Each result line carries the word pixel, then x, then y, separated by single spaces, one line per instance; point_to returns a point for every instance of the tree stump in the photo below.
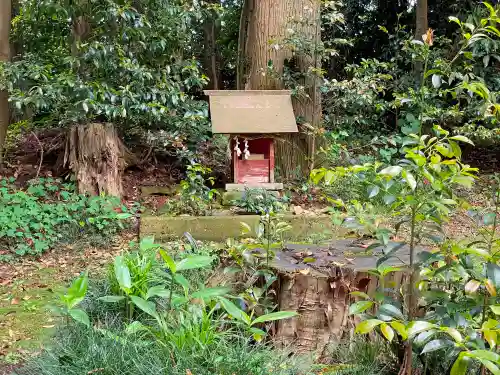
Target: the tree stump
pixel 95 153
pixel 319 291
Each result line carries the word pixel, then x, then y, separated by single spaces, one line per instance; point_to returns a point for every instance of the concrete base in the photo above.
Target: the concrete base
pixel 220 228
pixel 263 185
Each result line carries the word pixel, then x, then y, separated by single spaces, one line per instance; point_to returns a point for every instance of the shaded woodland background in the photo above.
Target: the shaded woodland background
pixel 140 67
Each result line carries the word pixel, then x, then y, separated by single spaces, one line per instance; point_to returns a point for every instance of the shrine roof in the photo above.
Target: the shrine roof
pixel 251 111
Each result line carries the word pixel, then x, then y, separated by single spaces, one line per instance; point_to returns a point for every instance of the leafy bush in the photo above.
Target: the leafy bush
pixel 37 217
pixel 195 197
pixel 260 201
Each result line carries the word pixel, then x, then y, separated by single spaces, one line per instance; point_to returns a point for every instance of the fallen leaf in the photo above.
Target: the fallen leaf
pixel 305 272
pixel 51 326
pixel 14 301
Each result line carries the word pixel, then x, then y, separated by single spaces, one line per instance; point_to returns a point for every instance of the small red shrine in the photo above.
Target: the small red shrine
pixel 252 119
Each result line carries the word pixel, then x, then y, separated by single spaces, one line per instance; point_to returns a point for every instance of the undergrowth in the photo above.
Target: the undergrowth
pixel 48 211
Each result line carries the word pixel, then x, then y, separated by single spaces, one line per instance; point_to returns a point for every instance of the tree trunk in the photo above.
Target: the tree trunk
pixel 95 154
pixel 269 23
pixel 211 55
pixel 5 18
pixel 322 301
pixel 421 24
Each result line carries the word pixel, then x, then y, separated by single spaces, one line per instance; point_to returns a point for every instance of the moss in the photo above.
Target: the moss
pixel 219 228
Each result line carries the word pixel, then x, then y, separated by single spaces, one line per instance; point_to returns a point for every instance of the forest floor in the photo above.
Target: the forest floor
pixel 29 287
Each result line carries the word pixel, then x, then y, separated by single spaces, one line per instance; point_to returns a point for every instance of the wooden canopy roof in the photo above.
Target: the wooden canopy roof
pixel 251 111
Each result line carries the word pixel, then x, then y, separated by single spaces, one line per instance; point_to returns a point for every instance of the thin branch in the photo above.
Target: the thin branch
pixel 41 154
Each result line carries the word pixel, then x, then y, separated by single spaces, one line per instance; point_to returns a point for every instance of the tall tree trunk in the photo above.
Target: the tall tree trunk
pixel 421 26
pixel 269 21
pixel 211 55
pixel 5 18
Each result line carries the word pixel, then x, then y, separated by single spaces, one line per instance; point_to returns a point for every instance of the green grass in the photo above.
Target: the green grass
pixel 78 351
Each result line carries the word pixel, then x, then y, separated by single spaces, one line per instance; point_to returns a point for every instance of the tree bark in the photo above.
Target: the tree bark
pixel 94 153
pixel 322 301
pixel 211 55
pixel 269 21
pixel 5 19
pixel 421 24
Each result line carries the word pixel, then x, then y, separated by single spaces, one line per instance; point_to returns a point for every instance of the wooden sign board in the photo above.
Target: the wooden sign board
pixel 251 111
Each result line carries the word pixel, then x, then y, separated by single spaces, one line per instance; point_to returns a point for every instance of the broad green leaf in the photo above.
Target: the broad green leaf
pixel 122 273
pixel 360 294
pixel 168 261
pixel 493 272
pixel 484 354
pixel 373 190
pixel 367 326
pixel 235 311
pixel 493 368
pixel 77 291
pixel 193 262
pixel 434 345
pixel 461 365
pixel 410 180
pixel 329 177
pixel 453 332
pixel 157 291
pixel 462 138
pixel 80 316
pixel 148 243
pixel 387 331
pixel 491 338
pixel 400 329
pixel 391 310
pixel 146 306
pixel 245 228
pixel 279 315
pixel 389 199
pixel 111 299
pixel 359 307
pixel 182 281
pixel 392 171
pixel 466 181
pixel 495 309
pixel 257 333
pixel 455 19
pixel 210 293
pixel 419 326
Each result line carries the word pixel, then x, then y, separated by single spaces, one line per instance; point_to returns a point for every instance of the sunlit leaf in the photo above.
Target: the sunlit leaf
pixel 80 316
pixel 419 326
pixel 367 326
pixel 122 273
pixel 387 331
pixel 193 262
pixel 392 171
pixel 359 307
pixel 279 315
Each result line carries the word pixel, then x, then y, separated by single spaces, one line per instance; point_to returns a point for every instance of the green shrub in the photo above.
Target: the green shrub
pixel 260 201
pixel 35 218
